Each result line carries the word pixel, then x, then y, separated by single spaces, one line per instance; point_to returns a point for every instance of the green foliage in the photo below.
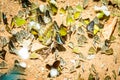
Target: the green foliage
pixel 19 21
pixel 69 20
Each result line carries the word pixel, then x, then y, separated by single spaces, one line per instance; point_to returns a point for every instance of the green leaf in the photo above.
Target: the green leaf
pixel 12 23
pixel 34 55
pixel 63 30
pixel 34 32
pixel 86 21
pixel 62 11
pixel 19 21
pixel 69 20
pixel 76 50
pixel 96 29
pixel 47 38
pixel 53 8
pixel 79 8
pixel 76 15
pixel 100 15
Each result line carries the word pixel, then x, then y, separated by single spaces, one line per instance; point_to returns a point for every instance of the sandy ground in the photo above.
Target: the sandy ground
pixel 36 70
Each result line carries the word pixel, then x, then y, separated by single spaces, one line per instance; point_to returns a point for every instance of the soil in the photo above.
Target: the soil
pixel 36 70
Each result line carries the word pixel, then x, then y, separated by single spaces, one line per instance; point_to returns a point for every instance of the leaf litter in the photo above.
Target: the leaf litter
pixel 85 37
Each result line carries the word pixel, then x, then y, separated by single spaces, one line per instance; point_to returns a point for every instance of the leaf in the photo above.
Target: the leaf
pixel 69 20
pixel 3 65
pixel 2 54
pixel 96 20
pixel 11 46
pixel 114 75
pixel 91 77
pixel 3 41
pixel 93 68
pixel 69 9
pixel 109 51
pixel 112 38
pixel 96 29
pixel 19 21
pixel 79 77
pixel 47 18
pixel 40 20
pixel 109 28
pixel 80 30
pixel 107 78
pixel 100 15
pixel 48 38
pixel 86 21
pixel 34 55
pixel 79 8
pixel 81 40
pixel 105 2
pixel 54 2
pixel 85 3
pixel 90 26
pixel 12 23
pixel 62 11
pixel 56 26
pixel 119 30
pixel 53 8
pixel 26 3
pixel 76 50
pixel 63 30
pixel 4 19
pixel 59 39
pixel 76 15
pixel 34 32
pixel 91 51
pixel 71 45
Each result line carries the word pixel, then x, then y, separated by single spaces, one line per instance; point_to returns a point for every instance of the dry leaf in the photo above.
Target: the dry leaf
pixel 37 46
pixel 109 28
pixel 76 50
pixel 91 51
